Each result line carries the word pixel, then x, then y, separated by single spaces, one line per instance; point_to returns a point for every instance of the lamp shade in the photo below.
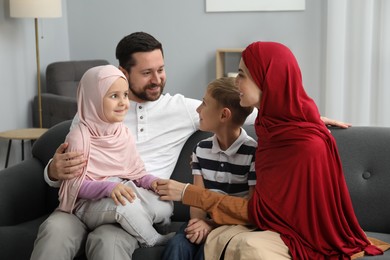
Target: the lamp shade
pixel 35 8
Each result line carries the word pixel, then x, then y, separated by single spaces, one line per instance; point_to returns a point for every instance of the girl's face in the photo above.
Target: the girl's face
pixel 250 93
pixel 209 113
pixel 116 101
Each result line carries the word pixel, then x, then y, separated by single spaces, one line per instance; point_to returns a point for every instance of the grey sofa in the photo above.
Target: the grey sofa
pixel 26 200
pixel 59 98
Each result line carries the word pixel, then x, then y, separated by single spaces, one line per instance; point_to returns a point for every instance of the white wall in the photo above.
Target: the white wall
pixel 190 36
pixel 18 69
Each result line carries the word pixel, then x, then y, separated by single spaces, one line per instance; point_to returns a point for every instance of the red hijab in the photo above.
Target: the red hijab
pixel 301 191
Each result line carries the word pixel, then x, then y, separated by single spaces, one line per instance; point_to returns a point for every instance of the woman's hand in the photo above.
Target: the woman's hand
pixel 170 190
pixel 332 122
pixel 197 230
pixel 122 192
pixel 65 165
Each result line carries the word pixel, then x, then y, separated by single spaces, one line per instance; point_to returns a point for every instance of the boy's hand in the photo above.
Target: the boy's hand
pixel 197 230
pixel 122 192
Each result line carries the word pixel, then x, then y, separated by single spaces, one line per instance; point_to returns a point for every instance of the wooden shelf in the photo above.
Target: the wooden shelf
pixel 220 60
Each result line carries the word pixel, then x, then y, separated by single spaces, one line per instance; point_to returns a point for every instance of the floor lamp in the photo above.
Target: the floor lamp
pixel 36 9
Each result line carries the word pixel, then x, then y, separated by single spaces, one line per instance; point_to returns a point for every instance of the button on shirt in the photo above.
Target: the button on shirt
pixel 161 129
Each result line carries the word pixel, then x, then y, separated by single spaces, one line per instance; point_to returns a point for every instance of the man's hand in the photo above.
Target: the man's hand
pixel 122 192
pixel 197 230
pixel 332 122
pixel 170 189
pixel 65 165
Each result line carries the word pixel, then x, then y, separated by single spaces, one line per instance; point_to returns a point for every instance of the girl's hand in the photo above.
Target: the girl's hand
pixel 153 186
pixel 122 192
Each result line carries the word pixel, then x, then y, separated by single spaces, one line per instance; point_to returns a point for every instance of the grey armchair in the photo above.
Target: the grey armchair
pixel 59 99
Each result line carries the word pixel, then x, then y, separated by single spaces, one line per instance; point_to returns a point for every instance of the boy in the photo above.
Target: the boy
pixel 223 163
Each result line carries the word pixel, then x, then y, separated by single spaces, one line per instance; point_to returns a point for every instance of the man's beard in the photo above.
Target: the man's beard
pixel 143 94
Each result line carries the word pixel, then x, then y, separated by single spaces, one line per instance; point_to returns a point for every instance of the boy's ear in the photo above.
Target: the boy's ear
pixel 226 114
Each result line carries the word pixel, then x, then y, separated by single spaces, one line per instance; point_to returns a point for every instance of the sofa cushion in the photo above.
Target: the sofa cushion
pixel 17 242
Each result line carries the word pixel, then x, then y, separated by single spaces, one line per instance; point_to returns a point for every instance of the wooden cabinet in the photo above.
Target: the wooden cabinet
pixel 220 60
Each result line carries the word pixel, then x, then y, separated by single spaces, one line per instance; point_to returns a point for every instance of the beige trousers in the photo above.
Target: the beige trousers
pixel 244 244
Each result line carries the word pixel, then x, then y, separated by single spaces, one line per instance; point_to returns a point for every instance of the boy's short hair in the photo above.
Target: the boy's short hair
pixel 225 92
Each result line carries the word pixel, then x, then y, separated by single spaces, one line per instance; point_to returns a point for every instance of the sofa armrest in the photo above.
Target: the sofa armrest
pixel 22 192
pixel 55 109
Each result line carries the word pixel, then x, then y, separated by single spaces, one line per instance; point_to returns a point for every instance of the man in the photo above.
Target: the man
pixel 160 123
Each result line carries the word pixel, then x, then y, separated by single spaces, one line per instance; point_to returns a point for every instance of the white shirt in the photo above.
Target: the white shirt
pixel 160 129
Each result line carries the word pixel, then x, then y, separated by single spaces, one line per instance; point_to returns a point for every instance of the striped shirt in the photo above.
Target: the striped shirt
pixel 229 172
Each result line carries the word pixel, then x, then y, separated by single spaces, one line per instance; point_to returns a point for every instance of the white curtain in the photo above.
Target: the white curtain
pixel 357 62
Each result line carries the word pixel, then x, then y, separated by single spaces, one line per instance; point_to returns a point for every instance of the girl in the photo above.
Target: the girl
pixel 114 172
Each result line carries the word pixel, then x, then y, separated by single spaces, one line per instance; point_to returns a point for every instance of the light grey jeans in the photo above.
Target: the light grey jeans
pixel 62 236
pixel 137 217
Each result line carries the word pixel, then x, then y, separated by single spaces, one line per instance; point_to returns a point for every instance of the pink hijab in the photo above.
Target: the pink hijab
pixel 109 147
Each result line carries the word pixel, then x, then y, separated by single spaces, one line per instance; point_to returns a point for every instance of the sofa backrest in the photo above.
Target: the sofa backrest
pixel 62 78
pixel 365 156
pixel 183 172
pixel 44 149
pixel 364 152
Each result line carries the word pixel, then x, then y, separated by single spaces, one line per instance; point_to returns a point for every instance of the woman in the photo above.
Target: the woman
pixel 301 201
